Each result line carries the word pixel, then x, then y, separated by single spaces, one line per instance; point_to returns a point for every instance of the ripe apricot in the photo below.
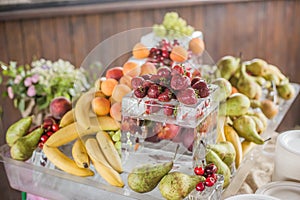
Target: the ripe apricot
pixel 101 106
pixel 108 85
pixel 116 111
pixel 131 69
pixel 126 80
pixel 119 92
pixel 148 68
pixel 179 54
pixel 115 73
pixel 196 45
pixel 140 51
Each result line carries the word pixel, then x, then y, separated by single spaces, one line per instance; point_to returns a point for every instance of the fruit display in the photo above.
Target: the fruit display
pixel 123 131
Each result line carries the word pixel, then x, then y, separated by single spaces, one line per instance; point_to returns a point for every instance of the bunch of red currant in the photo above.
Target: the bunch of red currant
pixel 209 172
pixel 50 126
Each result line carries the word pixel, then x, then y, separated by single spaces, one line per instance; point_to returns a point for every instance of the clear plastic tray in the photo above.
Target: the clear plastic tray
pixel 55 184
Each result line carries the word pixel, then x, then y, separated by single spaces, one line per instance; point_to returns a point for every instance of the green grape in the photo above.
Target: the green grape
pixel 173 26
pixel 116 137
pixel 159 30
pixel 118 145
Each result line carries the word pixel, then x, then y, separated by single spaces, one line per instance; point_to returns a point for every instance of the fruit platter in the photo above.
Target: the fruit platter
pixel 168 124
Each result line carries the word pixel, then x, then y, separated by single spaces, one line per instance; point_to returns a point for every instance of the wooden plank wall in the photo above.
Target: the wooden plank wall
pixel 267 29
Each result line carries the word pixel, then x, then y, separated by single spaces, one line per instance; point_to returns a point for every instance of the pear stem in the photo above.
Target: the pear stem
pixel 267 139
pixel 177 147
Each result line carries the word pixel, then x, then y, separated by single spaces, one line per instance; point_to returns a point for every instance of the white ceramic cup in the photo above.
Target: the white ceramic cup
pixel 287 157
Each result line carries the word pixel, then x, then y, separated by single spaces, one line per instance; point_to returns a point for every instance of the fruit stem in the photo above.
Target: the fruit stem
pixel 177 147
pixel 267 139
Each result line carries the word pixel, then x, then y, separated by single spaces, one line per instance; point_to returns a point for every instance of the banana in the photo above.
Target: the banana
pixel 247 146
pixel 67 119
pixel 108 149
pixel 63 162
pixel 106 123
pixel 82 109
pixel 232 136
pixel 220 129
pixel 101 165
pixel 68 134
pixel 80 155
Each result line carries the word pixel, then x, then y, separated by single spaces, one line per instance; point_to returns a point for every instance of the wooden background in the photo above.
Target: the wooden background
pixel 267 29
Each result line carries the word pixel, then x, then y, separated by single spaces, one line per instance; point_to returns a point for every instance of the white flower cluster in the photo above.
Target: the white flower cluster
pixel 49 70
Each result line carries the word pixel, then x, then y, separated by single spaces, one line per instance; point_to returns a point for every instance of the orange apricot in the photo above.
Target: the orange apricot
pixel 131 69
pixel 108 85
pixel 179 54
pixel 116 111
pixel 196 45
pixel 119 92
pixel 126 80
pixel 140 51
pixel 101 106
pixel 148 68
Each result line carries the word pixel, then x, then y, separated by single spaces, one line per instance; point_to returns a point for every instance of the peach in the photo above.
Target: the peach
pixel 148 68
pixel 131 69
pixel 140 51
pixel 119 92
pixel 179 54
pixel 116 111
pixel 98 82
pixel 115 73
pixel 100 106
pixel 108 85
pixel 196 45
pixel 59 106
pixel 126 80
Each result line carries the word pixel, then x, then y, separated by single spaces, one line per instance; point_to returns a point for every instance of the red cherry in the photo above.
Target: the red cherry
pixel 44 138
pixel 200 186
pixel 40 145
pixel 199 171
pixel 49 133
pixel 214 176
pixel 210 181
pixel 55 127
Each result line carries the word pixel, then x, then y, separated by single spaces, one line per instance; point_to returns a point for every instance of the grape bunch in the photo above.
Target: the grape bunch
pixel 169 83
pixel 50 126
pixel 173 26
pixel 209 174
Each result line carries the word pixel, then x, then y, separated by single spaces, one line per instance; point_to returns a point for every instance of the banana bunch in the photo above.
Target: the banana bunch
pixel 98 149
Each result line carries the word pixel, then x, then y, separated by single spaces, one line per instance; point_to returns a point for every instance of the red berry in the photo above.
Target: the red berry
pixel 200 186
pixel 214 176
pixel 40 145
pixel 152 107
pixel 199 171
pixel 169 110
pixel 49 133
pixel 210 181
pixel 55 127
pixel 177 69
pixel 44 138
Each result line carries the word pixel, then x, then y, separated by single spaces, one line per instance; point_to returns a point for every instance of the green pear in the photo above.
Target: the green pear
pixel 225 151
pixel 260 128
pixel 236 104
pixel 246 128
pixel 224 89
pixel 23 148
pixel 272 77
pixel 177 185
pixel 286 91
pixel 212 157
pixel 145 178
pixel 17 130
pixel 257 67
pixel 228 65
pixel 246 84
